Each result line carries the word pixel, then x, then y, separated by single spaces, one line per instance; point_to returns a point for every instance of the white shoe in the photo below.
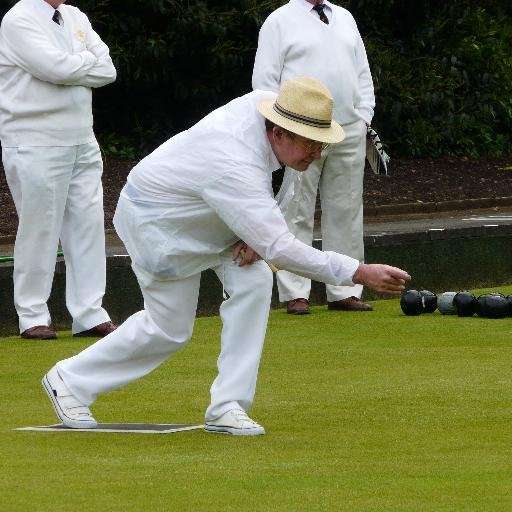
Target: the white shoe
pixel 235 422
pixel 72 412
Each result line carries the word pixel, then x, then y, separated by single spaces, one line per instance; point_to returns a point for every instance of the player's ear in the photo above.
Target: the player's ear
pixel 278 133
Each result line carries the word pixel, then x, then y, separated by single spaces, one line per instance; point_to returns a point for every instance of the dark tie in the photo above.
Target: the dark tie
pixel 319 8
pixel 277 180
pixel 56 17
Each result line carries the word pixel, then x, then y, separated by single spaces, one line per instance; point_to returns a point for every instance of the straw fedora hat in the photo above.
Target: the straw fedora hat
pixel 304 106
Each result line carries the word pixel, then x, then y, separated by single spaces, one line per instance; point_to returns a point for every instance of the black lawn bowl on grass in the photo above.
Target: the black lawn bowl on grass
pixel 492 305
pixel 429 301
pixel 411 303
pixel 465 303
pixel 414 302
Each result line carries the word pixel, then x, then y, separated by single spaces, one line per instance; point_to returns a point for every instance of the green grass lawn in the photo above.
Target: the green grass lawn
pixel 363 412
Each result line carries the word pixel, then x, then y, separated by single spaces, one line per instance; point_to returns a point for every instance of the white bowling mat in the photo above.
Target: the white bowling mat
pixel 132 428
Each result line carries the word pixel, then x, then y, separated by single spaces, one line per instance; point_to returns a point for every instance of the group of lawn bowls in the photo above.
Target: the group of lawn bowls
pixel 463 303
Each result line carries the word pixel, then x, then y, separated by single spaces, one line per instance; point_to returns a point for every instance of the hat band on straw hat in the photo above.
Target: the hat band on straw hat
pixel 303 106
pixel 301 119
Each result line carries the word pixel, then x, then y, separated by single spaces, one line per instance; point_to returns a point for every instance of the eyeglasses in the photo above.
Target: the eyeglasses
pixel 311 146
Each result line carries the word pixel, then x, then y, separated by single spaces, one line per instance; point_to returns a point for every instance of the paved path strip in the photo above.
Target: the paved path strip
pixel 382 224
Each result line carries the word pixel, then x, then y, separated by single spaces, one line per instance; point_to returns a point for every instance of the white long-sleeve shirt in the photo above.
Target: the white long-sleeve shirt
pixel 295 42
pixel 206 188
pixel 46 75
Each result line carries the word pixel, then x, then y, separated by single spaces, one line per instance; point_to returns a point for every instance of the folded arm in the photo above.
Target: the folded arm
pixel 103 72
pixel 28 47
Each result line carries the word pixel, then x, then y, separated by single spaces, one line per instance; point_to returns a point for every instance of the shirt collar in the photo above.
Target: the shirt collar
pixel 309 7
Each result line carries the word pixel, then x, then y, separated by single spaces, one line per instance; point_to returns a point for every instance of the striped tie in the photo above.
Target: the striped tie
pixel 319 8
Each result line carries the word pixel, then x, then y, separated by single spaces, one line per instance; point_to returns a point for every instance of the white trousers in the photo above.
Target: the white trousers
pixel 149 337
pixel 57 193
pixel 339 177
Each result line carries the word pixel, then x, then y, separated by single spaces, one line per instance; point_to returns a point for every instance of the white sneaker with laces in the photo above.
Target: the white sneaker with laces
pixel 234 422
pixel 72 412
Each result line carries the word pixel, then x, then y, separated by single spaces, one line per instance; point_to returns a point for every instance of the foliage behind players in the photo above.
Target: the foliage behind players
pixel 442 70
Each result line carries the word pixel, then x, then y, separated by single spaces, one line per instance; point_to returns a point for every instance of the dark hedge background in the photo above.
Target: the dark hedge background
pixel 442 69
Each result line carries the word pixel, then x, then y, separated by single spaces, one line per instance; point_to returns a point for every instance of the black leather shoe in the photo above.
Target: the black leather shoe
pixel 298 307
pixel 39 332
pixel 100 331
pixel 349 304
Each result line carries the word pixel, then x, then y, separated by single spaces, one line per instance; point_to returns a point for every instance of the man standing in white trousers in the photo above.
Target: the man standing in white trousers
pixel 204 200
pixel 320 39
pixel 50 58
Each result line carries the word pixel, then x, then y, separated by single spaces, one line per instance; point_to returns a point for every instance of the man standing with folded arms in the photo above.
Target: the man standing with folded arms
pixel 204 200
pixel 50 59
pixel 320 39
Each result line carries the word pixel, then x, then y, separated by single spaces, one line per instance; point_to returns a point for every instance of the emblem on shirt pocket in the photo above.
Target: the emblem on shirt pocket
pixel 80 36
